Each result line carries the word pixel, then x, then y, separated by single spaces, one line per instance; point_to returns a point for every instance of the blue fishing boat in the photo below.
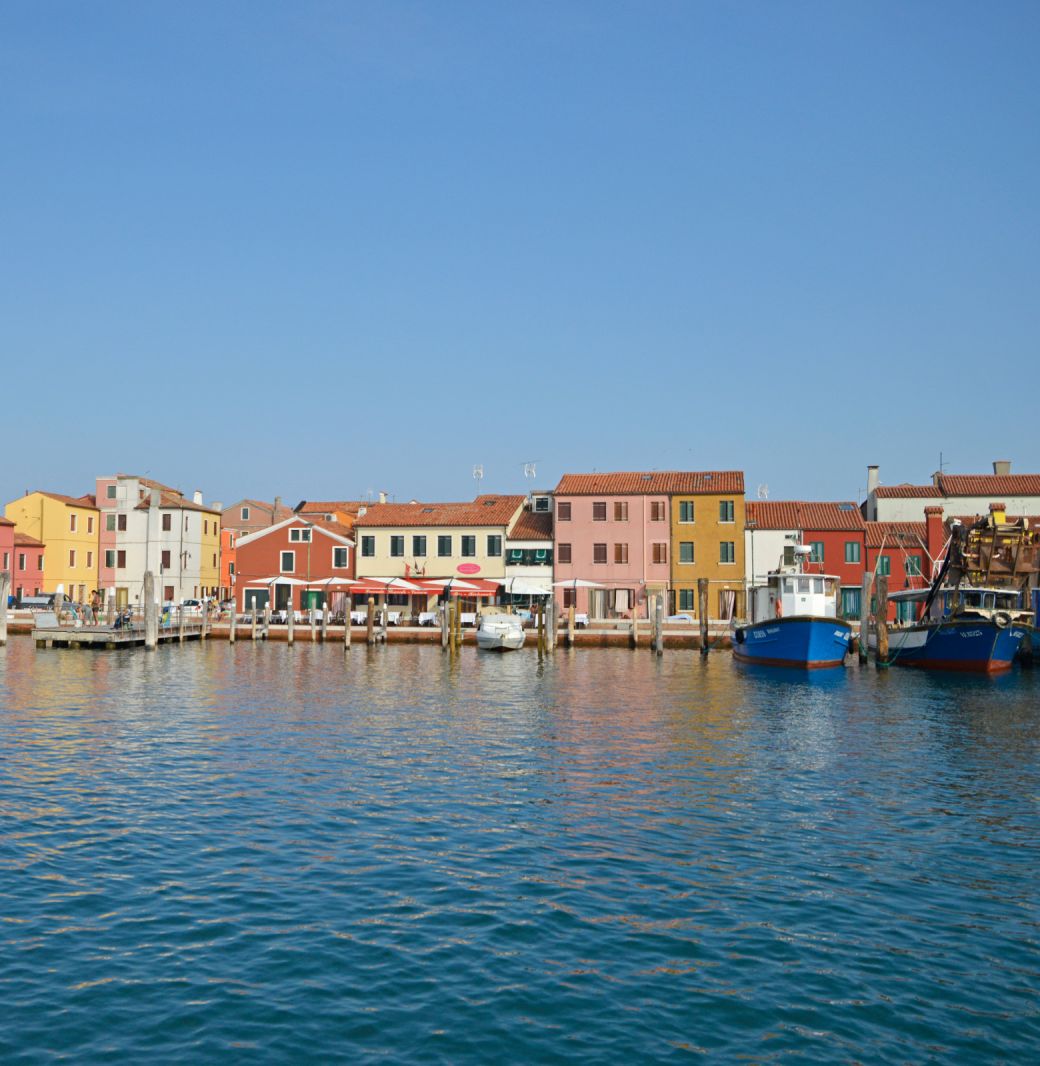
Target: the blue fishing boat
pixel 794 619
pixel 973 630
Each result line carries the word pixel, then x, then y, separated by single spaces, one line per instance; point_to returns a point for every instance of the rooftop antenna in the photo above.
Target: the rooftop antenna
pixel 942 465
pixel 531 469
pixel 763 491
pixel 478 473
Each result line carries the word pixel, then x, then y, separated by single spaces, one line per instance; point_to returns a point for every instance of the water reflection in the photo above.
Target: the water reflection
pixel 392 852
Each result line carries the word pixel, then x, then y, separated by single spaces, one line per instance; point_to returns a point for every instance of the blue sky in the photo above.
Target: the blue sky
pixel 316 249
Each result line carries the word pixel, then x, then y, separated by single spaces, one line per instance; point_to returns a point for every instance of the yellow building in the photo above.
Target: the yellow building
pixel 707 529
pixel 69 528
pixel 209 553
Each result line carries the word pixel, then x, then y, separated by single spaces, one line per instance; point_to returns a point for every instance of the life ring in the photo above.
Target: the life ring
pixel 779 608
pixel 1002 619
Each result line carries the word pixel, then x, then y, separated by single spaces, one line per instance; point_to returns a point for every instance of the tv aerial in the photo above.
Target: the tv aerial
pixel 763 492
pixel 531 469
pixel 478 474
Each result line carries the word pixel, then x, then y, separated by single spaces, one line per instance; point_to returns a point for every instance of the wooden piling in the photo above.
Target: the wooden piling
pixel 180 624
pixel 151 616
pixel 702 612
pixel 204 626
pixel 324 624
pixel 659 625
pixel 253 635
pixel 346 623
pixel 550 623
pixel 110 611
pixel 267 621
pixel 570 626
pixel 881 621
pixel 444 625
pixel 384 628
pixel 231 630
pixel 5 581
pixel 633 633
pixel 864 615
pixel 290 622
pixel 540 627
pixel 370 621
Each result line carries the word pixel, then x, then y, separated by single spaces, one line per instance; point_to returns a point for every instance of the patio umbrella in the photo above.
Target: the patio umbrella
pixel 326 581
pixel 578 583
pixel 388 585
pixel 281 580
pixel 525 586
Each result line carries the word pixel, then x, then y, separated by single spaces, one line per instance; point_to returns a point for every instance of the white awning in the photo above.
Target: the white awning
pixel 526 586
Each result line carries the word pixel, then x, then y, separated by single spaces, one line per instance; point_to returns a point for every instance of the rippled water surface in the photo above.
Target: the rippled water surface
pixel 274 854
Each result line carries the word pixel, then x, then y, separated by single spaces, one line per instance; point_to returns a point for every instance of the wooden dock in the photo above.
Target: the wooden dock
pixel 52 635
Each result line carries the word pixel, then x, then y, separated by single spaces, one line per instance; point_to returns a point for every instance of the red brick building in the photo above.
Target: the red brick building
pixel 282 564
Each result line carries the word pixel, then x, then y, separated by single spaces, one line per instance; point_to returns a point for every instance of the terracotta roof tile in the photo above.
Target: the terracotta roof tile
pixel 532 525
pixel 485 510
pixel 801 514
pixel 5 521
pixel 908 492
pixel 172 501
pixel 996 486
pixel 328 506
pixel 72 501
pixel 23 540
pixel 895 533
pixel 655 482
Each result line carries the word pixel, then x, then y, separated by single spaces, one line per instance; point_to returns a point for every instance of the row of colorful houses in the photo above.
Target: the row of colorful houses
pixel 605 543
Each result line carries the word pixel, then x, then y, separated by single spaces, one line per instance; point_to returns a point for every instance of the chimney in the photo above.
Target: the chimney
pixel 196 497
pixel 935 536
pixel 1002 467
pixel 216 506
pixel 382 497
pixel 873 480
pixel 275 509
pixel 154 502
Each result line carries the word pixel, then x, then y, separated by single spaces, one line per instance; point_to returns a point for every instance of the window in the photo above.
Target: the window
pixel 725 510
pixel 563 553
pixel 121 523
pixel 72 557
pixel 563 511
pixel 686 600
pixel 913 566
pixel 816 551
pixel 7 561
pixel 167 522
pixel 570 597
pixel 165 560
pixel 469 546
pixel 340 558
pixel 205 527
pixel 620 553
pixel 727 552
pixel 541 503
pixel 120 560
pixel 110 492
pixel 185 523
pixel 850 601
pixel 686 551
pixel 419 547
pixel 884 566
pixel 657 511
pixel 494 546
pixel 599 510
pixel 396 546
pixel 168 593
pixel 599 553
pixel 21 560
pixel 110 523
pixel 245 514
pixel 686 511
pixel 298 535
pixel 288 562
pixel 90 560
pixel 214 559
pixel 852 552
pixel 39 562
pixel 110 559
pixel 90 523
pixel 659 552
pixel 444 545
pixel 368 546
pixel 621 511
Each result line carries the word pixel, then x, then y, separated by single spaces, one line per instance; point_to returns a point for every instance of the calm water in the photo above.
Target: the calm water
pixel 267 854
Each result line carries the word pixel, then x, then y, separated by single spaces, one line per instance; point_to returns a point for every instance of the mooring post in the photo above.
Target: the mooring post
pixel 370 621
pixel 324 624
pixel 234 619
pixel 570 626
pixel 702 611
pixel 881 621
pixel 290 620
pixel 346 623
pixel 539 622
pixel 180 623
pixel 151 617
pixel 444 625
pixel 550 622
pixel 864 615
pixel 267 620
pixel 386 619
pixel 314 625
pixel 58 600
pixel 205 620
pixel 5 580
pixel 659 624
pixel 110 612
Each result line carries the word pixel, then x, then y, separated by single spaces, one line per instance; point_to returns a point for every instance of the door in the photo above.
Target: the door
pixel 313 598
pixel 282 597
pixel 122 598
pixel 257 598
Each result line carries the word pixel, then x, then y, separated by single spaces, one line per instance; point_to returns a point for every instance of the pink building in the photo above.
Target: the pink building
pixel 613 530
pixel 26 566
pixel 7 548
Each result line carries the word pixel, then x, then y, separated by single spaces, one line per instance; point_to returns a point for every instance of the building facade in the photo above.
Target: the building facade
pixel 68 526
pixel 247 516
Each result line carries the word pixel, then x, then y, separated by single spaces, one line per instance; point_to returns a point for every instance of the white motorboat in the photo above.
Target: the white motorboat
pixel 499 631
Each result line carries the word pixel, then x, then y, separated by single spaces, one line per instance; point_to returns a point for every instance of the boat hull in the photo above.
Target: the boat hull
pixel 500 639
pixel 976 646
pixel 803 642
